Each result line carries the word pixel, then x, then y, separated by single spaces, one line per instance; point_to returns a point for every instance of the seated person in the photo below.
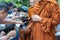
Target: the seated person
pixel 9 35
pixel 24 18
pixel 4 12
pixel 16 14
pixel 19 14
pixel 11 32
pixel 9 27
pixel 10 7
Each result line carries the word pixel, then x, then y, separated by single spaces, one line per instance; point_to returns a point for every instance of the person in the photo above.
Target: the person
pixel 16 15
pixel 2 33
pixel 2 27
pixel 59 14
pixel 10 8
pixel 15 35
pixel 58 32
pixel 9 27
pixel 44 19
pixel 4 12
pixel 9 35
pixel 23 16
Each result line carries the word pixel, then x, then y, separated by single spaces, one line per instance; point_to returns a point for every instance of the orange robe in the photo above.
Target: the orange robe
pixel 44 30
pixel 59 14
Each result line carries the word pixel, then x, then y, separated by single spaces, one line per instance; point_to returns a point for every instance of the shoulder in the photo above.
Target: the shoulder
pixel 52 5
pixel 30 9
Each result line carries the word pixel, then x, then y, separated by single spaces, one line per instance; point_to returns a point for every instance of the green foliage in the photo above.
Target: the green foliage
pixel 1 0
pixel 59 2
pixel 20 2
pixel 26 3
pixel 7 0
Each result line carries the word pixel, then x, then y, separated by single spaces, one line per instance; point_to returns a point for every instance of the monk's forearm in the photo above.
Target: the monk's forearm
pixel 29 26
pixel 54 22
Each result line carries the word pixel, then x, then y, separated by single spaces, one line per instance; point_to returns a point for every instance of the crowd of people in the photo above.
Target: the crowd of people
pixel 37 23
pixel 9 25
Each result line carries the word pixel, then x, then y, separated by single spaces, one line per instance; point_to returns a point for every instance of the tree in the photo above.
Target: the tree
pixel 26 2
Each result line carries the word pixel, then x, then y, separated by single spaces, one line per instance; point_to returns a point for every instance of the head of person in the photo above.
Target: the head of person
pixel 19 9
pixel 15 10
pixel 3 33
pixel 3 10
pixel 10 5
pixel 25 8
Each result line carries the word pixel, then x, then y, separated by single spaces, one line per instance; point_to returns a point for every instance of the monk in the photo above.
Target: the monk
pixel 59 14
pixel 44 19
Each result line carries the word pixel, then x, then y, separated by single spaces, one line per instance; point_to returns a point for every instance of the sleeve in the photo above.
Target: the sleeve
pixel 53 19
pixel 33 10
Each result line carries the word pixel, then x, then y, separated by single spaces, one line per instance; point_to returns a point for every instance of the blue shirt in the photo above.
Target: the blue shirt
pixel 58 27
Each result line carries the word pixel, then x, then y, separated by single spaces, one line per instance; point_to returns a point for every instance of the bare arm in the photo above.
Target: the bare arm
pixel 9 35
pixel 8 21
pixel 14 17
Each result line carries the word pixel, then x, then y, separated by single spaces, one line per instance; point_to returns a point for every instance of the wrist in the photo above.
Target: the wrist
pixel 40 19
pixel 7 36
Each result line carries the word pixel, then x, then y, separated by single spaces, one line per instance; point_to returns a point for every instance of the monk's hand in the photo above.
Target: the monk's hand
pixel 36 18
